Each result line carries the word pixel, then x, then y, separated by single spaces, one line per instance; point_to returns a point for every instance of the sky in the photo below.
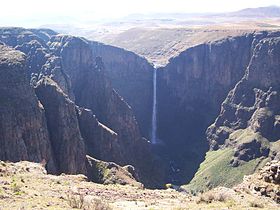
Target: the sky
pixel 31 12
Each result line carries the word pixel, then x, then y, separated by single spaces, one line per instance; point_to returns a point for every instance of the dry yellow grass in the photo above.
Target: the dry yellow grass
pixel 26 185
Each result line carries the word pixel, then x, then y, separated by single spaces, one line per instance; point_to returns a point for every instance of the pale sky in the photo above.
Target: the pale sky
pixel 26 12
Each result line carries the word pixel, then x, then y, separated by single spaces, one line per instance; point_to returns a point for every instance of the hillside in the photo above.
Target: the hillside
pixel 26 185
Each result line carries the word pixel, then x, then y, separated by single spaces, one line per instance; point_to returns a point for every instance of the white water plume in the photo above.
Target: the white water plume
pixel 154 114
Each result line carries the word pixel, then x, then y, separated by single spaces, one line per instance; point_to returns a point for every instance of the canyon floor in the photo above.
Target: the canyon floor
pixel 26 185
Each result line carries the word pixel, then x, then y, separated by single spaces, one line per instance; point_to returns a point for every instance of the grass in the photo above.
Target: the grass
pixel 216 170
pixel 79 201
pixel 16 187
pixel 246 136
pixel 256 204
pixel 76 200
pixel 41 191
pixel 102 172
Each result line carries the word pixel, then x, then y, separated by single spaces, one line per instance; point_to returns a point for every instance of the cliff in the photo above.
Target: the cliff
pixel 252 106
pixel 62 123
pixel 82 112
pixel 23 133
pixel 190 90
pixel 132 78
pixel 245 135
pixel 101 142
pixel 74 104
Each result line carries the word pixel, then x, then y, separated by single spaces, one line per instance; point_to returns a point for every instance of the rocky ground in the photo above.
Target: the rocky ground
pixel 26 185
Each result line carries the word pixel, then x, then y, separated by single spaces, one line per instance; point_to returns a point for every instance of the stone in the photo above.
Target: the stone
pixel 23 133
pixel 62 122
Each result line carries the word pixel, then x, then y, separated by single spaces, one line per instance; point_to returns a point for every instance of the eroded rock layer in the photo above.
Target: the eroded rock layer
pixel 80 111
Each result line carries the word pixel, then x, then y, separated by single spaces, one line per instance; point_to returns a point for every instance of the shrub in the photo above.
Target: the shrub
pixel 77 200
pixel 256 204
pixel 211 196
pixel 15 187
pixel 97 204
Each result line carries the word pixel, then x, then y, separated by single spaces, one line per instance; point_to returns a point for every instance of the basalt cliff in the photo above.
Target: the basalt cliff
pixel 75 104
pixel 58 105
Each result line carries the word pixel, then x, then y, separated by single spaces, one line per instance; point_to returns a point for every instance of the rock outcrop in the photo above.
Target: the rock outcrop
pixel 23 133
pixel 132 78
pixel 265 182
pixel 83 114
pixel 248 120
pixel 249 115
pixel 111 173
pixel 100 141
pixel 190 90
pixel 67 143
pixel 90 87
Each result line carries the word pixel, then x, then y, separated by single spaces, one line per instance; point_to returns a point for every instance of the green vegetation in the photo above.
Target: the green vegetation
pixel 78 201
pixel 216 170
pixel 242 136
pixel 102 170
pixel 15 187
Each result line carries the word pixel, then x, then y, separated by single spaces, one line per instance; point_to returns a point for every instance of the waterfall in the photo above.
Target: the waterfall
pixel 154 114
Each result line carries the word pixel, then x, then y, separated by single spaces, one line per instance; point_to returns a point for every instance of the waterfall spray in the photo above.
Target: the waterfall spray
pixel 154 114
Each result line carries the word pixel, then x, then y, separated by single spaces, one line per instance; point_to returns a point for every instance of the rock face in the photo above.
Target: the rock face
pixel 91 89
pixel 68 145
pixel 190 90
pixel 101 142
pixel 132 78
pixel 265 182
pixel 96 100
pixel 248 120
pixel 249 115
pixel 82 113
pixel 23 133
pixel 111 173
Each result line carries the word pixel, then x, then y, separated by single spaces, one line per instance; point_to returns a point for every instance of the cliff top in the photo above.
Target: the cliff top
pixel 9 56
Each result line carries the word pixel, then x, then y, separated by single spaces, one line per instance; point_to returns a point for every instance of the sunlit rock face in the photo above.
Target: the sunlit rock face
pixel 252 106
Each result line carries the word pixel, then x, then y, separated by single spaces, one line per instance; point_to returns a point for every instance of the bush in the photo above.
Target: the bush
pixel 77 200
pixel 15 187
pixel 97 204
pixel 256 204
pixel 211 196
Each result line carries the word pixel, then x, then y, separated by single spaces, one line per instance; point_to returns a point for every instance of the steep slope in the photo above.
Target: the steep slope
pixel 66 73
pixel 92 90
pixel 101 142
pixel 68 145
pixel 248 123
pixel 23 133
pixel 190 90
pixel 40 131
pixel 88 94
pixel 131 77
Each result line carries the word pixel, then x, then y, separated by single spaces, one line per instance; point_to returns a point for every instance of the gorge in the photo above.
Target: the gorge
pixel 68 101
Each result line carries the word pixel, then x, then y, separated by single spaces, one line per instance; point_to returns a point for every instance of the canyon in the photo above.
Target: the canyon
pixel 83 107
